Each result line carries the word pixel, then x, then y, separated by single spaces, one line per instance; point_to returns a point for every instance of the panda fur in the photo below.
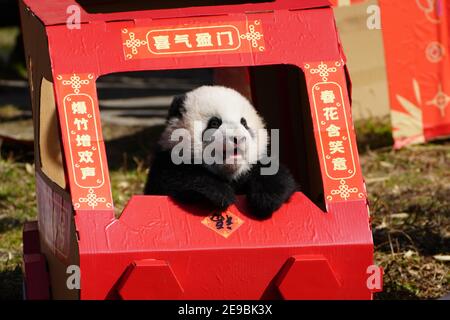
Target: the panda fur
pixel 225 110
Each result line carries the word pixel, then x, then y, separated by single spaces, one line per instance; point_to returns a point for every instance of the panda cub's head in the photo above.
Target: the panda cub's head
pixel 221 127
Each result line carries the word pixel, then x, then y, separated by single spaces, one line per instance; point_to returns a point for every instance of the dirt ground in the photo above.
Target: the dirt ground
pixel 410 203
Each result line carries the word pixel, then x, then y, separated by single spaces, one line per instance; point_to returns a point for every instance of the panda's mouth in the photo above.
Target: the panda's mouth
pixel 237 152
pixel 234 153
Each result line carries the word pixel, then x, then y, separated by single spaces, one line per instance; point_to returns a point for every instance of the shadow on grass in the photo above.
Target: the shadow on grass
pixel 11 284
pixel 19 151
pixel 9 223
pixel 392 292
pixel 374 133
pixel 424 230
pixel 124 152
pixel 427 240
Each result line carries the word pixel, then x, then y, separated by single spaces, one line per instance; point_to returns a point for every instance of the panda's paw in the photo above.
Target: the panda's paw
pixel 266 194
pixel 263 205
pixel 221 197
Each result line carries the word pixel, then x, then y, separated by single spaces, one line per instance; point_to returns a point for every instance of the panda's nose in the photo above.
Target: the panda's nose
pixel 238 140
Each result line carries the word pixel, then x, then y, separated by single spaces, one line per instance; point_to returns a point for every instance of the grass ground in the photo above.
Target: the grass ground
pixel 17 205
pixel 409 193
pixel 408 189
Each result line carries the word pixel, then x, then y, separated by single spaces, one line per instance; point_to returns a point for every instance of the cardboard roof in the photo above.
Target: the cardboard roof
pixel 55 12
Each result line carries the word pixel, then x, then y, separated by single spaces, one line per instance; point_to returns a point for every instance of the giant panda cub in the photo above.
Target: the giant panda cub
pixel 214 147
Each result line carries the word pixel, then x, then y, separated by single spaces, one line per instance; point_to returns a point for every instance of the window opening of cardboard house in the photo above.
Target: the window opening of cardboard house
pixel 134 107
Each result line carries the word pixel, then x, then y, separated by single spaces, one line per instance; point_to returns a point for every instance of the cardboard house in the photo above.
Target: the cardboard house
pixel 286 56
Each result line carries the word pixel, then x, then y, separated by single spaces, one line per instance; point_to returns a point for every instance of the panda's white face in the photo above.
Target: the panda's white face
pixel 219 118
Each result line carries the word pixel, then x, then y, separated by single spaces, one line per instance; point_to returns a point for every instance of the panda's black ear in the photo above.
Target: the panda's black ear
pixel 177 109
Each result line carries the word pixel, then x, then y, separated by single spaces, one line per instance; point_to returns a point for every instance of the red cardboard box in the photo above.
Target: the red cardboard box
pixel 318 246
pixel 418 65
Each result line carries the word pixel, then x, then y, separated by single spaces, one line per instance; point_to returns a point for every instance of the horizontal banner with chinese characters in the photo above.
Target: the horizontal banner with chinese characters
pixel 207 38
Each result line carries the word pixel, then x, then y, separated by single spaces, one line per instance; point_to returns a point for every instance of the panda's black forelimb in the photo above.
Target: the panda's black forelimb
pixel 267 193
pixel 187 183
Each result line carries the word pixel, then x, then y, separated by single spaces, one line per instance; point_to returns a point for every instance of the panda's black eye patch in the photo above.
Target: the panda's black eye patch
pixel 214 123
pixel 244 123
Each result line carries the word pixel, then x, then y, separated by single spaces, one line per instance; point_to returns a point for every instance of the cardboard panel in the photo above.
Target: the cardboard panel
pixel 213 261
pixel 365 60
pixel 58 237
pixel 49 141
pixel 56 230
pixel 418 64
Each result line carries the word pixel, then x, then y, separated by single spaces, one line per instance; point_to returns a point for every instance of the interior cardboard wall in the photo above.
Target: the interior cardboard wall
pixel 281 96
pixel 238 78
pixel 49 141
